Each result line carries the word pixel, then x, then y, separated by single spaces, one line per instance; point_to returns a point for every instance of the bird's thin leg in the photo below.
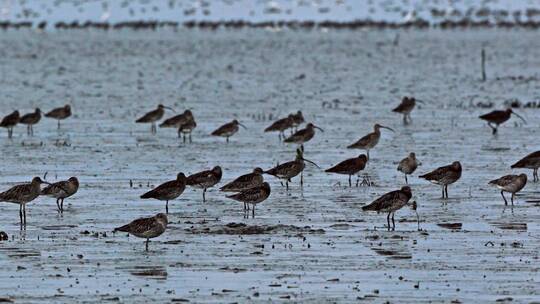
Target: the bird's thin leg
pixel 58 204
pixel 287 185
pixel 442 191
pixel 184 138
pixel 147 240
pixel 367 152
pixel 302 178
pixel 446 190
pixel 388 220
pixel 204 195
pixel 62 205
pixel 404 119
pixel 28 129
pixel 227 139
pixel 190 137
pixel 535 175
pixel 279 135
pixel 350 183
pixel 167 206
pixel 20 214
pixel 253 211
pixel 512 199
pixel 393 222
pixel 58 124
pixel 357 180
pixel 24 213
pixel 504 198
pixel 406 181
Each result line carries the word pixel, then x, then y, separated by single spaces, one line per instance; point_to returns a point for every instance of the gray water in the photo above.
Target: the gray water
pixel 317 244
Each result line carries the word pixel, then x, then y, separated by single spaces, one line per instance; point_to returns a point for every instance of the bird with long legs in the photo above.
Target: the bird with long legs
pixel 531 161
pixel 245 181
pixel 10 121
pixel 405 107
pixel 252 196
pixel 304 135
pixel 281 125
pixel 350 167
pixel 186 129
pixel 408 165
pixel 370 140
pixel 168 191
pixel 444 176
pixel 227 130
pixel 205 179
pixel 511 184
pixel 153 116
pixel 61 190
pixel 59 114
pixel 390 202
pixel 22 195
pixel 498 117
pixel 290 169
pixel 146 228
pixel 177 120
pixel 30 120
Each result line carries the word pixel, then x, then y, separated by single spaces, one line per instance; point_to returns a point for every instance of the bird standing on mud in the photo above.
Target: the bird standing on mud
pixel 511 184
pixel 245 181
pixel 146 228
pixel 281 125
pixel 304 135
pixel 531 161
pixel 10 121
pixel 186 129
pixel 153 116
pixel 498 117
pixel 390 202
pixel 22 195
pixel 60 114
pixel 227 130
pixel 30 120
pixel 205 179
pixel 252 196
pixel 61 190
pixel 370 140
pixel 444 176
pixel 168 191
pixel 408 165
pixel 350 167
pixel 288 170
pixel 405 107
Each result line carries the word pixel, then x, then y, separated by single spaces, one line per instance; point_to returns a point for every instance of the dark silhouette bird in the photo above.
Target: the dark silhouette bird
pixel 304 135
pixel 281 125
pixel 153 116
pixel 10 121
pixel 22 195
pixel 350 167
pixel 146 228
pixel 186 129
pixel 177 121
pixel 511 184
pixel 531 161
pixel 245 181
pixel 227 130
pixel 61 190
pixel 405 107
pixel 288 170
pixel 205 179
pixel 298 119
pixel 444 176
pixel 60 114
pixel 498 117
pixel 408 165
pixel 30 120
pixel 370 140
pixel 168 191
pixel 252 196
pixel 390 202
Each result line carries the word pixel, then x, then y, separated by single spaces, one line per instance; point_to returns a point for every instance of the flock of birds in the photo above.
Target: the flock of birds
pixel 251 189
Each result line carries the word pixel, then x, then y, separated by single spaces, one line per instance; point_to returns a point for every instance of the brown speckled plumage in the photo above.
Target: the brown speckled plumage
pixel 246 181
pixel 370 140
pixel 304 135
pixel 350 167
pixel 511 184
pixel 281 125
pixel 178 120
pixel 227 130
pixel 23 194
pixel 288 170
pixel 61 190
pixel 153 116
pixel 444 176
pixel 146 228
pixel 408 165
pixel 205 179
pixel 168 191
pixel 390 202
pixel 252 196
pixel 59 113
pixel 531 161
pixel 30 120
pixel 498 117
pixel 10 121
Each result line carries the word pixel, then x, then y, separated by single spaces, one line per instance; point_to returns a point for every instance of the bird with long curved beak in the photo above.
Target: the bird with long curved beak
pixel 498 117
pixel 22 195
pixel 229 129
pixel 303 135
pixel 288 170
pixel 153 116
pixel 370 140
pixel 405 107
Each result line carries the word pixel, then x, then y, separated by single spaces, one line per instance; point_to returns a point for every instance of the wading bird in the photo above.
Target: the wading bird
pixel 531 161
pixel 498 117
pixel 304 135
pixel 511 184
pixel 369 141
pixel 405 107
pixel 444 176
pixel 22 195
pixel 10 121
pixel 186 129
pixel 281 125
pixel 245 181
pixel 168 191
pixel 205 179
pixel 390 202
pixel 350 167
pixel 146 228
pixel 227 130
pixel 177 121
pixel 30 120
pixel 60 114
pixel 298 119
pixel 61 190
pixel 408 165
pixel 252 197
pixel 291 169
pixel 153 116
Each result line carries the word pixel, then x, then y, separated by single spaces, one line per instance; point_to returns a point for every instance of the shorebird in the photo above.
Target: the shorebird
pixel 146 228
pixel 252 196
pixel 281 125
pixel 177 121
pixel 405 107
pixel 369 141
pixel 61 190
pixel 10 121
pixel 30 120
pixel 498 117
pixel 511 184
pixel 22 195
pixel 245 181
pixel 168 191
pixel 187 128
pixel 227 130
pixel 444 176
pixel 304 135
pixel 291 169
pixel 408 165
pixel 153 116
pixel 531 161
pixel 298 119
pixel 60 113
pixel 390 202
pixel 350 167
pixel 205 179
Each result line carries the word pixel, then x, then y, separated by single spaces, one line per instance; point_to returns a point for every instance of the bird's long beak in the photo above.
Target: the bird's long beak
pixel 44 182
pixel 170 109
pixel 388 128
pixel 311 162
pixel 318 128
pixel 242 126
pixel 519 117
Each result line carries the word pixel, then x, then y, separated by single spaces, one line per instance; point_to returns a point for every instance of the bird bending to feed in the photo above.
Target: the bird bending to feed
pixel 22 195
pixel 408 165
pixel 10 121
pixel 252 196
pixel 390 202
pixel 153 116
pixel 531 161
pixel 146 228
pixel 444 176
pixel 498 117
pixel 511 184
pixel 168 191
pixel 298 119
pixel 30 120
pixel 61 190
pixel 288 170
pixel 369 141
pixel 245 181
pixel 178 120
pixel 227 130
pixel 304 135
pixel 205 179
pixel 281 125
pixel 350 167
pixel 60 113
pixel 186 129
pixel 405 107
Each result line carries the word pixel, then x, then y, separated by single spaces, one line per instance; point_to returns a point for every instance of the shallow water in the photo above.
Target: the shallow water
pixel 314 243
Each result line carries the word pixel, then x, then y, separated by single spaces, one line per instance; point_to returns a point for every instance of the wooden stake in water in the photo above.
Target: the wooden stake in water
pixel 483 65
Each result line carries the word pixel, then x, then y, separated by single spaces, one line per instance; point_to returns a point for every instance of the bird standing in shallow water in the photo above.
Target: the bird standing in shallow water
pixel 227 130
pixel 281 125
pixel 511 184
pixel 444 176
pixel 498 117
pixel 60 114
pixel 168 191
pixel 291 169
pixel 153 116
pixel 304 135
pixel 186 129
pixel 369 141
pixel 390 202
pixel 205 179
pixel 408 165
pixel 252 196
pixel 350 167
pixel 30 120
pixel 10 121
pixel 531 161
pixel 405 107
pixel 245 181
pixel 146 228
pixel 61 190
pixel 22 195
